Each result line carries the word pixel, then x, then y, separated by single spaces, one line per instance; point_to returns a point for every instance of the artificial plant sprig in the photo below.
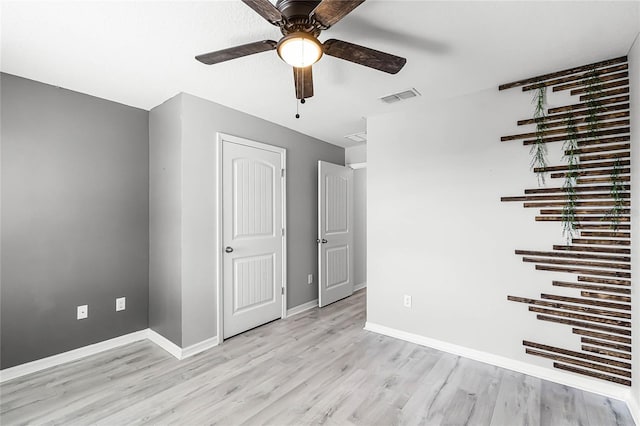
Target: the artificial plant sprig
pixel 539 149
pixel 615 213
pixel 594 89
pixel 569 220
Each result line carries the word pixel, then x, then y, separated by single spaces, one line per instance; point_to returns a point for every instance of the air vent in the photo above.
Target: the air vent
pixel 357 137
pixel 400 96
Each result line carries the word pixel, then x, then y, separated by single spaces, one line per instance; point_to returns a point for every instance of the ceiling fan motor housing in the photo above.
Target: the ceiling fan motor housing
pixel 296 13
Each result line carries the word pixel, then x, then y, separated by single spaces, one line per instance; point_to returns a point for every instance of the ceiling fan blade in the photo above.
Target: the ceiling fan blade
pixel 236 52
pixel 265 9
pixel 303 79
pixel 328 12
pixel 364 56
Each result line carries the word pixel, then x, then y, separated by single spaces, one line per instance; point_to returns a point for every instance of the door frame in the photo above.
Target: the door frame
pixel 220 139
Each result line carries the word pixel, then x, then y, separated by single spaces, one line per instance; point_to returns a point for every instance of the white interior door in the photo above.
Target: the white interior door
pixel 335 232
pixel 253 234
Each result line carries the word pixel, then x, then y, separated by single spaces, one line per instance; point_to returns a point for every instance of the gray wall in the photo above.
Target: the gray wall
pixel 165 218
pixel 200 120
pixel 360 228
pixel 74 219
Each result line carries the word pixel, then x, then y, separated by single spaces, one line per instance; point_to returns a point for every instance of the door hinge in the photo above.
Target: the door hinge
pixel 283 232
pixel 282 288
pixel 282 172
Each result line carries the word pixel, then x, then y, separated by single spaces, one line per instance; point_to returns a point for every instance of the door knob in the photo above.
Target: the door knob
pixel 323 241
pixel 229 249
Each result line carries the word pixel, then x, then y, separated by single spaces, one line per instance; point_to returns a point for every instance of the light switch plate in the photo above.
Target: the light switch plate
pixel 83 312
pixel 121 303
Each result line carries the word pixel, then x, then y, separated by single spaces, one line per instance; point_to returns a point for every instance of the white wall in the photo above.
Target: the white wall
pixel 356 154
pixel 634 83
pixel 438 232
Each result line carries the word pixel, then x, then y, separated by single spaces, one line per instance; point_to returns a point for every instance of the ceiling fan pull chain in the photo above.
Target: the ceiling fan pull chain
pixel 297 109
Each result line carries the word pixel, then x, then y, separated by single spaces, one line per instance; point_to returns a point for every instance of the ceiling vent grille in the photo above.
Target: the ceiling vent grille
pixel 400 96
pixel 357 137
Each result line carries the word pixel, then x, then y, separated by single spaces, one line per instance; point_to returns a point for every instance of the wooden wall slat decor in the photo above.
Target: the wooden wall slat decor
pixel 600 376
pixel 616 346
pixel 563 73
pixel 591 287
pixel 598 308
pixel 585 106
pixel 574 114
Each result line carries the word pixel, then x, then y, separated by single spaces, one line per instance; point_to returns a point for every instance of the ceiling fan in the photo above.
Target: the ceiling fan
pixel 301 22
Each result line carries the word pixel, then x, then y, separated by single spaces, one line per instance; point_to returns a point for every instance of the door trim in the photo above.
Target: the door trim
pixel 220 139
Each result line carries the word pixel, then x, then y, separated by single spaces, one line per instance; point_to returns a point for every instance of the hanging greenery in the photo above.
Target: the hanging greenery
pixel 569 220
pixel 539 149
pixel 616 193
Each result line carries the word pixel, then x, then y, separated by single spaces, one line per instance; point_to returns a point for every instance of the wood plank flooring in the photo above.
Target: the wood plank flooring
pixel 319 367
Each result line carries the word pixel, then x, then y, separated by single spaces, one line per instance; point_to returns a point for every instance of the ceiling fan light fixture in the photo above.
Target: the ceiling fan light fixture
pixel 299 49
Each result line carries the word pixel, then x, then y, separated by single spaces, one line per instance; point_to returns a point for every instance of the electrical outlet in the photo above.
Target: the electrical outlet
pixel 407 301
pixel 83 311
pixel 310 279
pixel 121 303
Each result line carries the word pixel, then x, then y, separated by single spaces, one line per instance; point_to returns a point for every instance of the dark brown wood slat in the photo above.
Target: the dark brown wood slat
pixel 575 354
pixel 605 234
pixel 587 364
pixel 599 148
pixel 600 376
pixel 593 249
pixel 594 295
pixel 586 196
pixel 604 226
pixel 599 118
pixel 606 352
pixel 603 86
pixel 573 255
pixel 591 302
pixel 616 346
pixel 604 280
pixel 574 113
pixel 577 77
pixel 597 157
pixel 605 172
pixel 608 203
pixel 574 70
pixel 583 271
pixel 581 219
pixel 587 325
pixel 604 141
pixel 602 242
pixel 585 81
pixel 585 212
pixel 590 188
pixel 591 287
pixel 602 336
pixel 596 165
pixel 563 131
pixel 571 262
pixel 562 138
pixel 564 306
pixel 590 180
pixel 581 317
pixel 606 93
pixel 586 105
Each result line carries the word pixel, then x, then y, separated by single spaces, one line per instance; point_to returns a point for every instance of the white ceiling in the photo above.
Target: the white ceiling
pixel 141 53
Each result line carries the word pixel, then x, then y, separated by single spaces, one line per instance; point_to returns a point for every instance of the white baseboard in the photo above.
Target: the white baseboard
pixel 52 361
pixel 177 351
pixel 605 389
pixel 199 347
pixel 359 287
pixel 302 308
pixel 164 343
pixel 75 354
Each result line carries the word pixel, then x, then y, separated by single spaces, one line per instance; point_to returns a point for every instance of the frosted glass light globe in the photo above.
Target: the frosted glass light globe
pixel 299 50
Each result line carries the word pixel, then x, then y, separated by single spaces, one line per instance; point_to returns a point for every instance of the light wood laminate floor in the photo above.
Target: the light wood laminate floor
pixel 319 367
